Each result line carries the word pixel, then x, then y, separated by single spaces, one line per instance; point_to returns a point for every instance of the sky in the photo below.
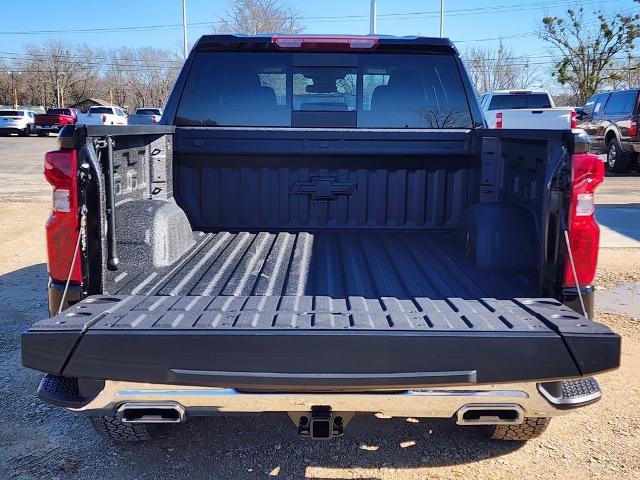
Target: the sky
pixel 467 22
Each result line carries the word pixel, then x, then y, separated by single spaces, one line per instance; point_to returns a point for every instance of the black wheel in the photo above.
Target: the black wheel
pixel 25 132
pixel 531 428
pixel 43 134
pixel 118 431
pixel 617 160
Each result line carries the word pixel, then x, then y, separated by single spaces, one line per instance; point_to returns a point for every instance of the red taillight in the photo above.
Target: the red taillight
pixel 61 170
pixel 499 120
pixel 154 119
pixel 633 128
pixel 104 118
pixel 16 118
pixel 574 123
pixel 324 42
pixel 584 234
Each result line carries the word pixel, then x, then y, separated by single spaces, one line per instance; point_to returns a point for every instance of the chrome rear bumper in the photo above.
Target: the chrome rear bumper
pixel 433 402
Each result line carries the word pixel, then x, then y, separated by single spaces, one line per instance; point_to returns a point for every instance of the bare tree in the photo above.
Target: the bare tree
pixel 587 50
pixel 57 72
pixel 62 73
pixel 115 82
pixel 5 84
pixel 139 77
pixel 259 16
pixel 627 73
pixel 497 69
pixel 152 80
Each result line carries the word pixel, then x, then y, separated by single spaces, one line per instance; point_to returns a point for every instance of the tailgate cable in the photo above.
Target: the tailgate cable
pixel 81 235
pixel 575 276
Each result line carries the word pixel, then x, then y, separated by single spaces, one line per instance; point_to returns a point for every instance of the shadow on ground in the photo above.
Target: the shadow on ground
pixel 269 442
pixel 623 219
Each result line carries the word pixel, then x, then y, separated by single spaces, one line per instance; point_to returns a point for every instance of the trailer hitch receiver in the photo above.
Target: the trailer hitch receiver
pixel 321 423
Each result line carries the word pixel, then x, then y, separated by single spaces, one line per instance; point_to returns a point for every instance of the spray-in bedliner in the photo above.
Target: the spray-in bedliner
pixel 401 264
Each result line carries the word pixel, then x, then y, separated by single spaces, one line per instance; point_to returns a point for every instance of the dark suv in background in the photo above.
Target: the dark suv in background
pixel 611 120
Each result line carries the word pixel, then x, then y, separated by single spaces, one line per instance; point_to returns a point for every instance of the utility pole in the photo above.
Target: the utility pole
pixel 372 18
pixel 629 69
pixel 184 29
pixel 14 91
pixel 441 18
pixel 57 91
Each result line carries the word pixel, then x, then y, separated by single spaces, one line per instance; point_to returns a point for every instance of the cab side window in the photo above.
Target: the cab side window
pixel 630 103
pixel 588 109
pixel 617 103
pixel 599 104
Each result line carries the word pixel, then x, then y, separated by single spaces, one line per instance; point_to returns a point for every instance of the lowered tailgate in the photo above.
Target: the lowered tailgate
pixel 318 343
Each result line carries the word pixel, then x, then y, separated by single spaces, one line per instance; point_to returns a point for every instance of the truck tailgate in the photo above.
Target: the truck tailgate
pixel 317 342
pixel 527 118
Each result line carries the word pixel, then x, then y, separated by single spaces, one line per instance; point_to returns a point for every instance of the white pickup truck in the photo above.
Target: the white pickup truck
pixel 525 109
pixel 145 116
pixel 103 116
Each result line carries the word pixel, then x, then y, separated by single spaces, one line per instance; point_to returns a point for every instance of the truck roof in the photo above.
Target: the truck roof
pixel 322 42
pixel 518 91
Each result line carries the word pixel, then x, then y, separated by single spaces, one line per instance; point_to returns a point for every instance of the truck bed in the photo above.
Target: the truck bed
pixel 338 264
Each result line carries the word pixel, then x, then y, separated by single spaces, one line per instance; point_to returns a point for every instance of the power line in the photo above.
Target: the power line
pixel 533 33
pixel 129 63
pixel 312 19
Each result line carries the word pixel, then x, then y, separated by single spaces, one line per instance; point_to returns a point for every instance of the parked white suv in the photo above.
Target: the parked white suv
pixel 16 121
pixel 103 116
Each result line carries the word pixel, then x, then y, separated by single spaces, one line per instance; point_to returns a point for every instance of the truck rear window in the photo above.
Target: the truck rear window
pixel 324 90
pixel 59 111
pixel 101 110
pixel 148 111
pixel 514 101
pixel 11 113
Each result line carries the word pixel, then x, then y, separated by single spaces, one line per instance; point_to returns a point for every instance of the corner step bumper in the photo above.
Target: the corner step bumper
pixel 204 401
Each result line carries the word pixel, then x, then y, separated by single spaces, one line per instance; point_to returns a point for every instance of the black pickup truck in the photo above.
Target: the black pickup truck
pixel 322 226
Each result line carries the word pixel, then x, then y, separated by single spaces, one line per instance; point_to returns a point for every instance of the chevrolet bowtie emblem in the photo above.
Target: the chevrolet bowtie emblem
pixel 323 188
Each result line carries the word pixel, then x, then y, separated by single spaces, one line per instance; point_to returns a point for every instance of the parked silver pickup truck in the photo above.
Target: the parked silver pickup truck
pixel 146 116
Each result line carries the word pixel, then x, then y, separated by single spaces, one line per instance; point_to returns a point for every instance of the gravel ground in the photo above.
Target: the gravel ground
pixel 600 441
pixel 617 266
pixel 21 169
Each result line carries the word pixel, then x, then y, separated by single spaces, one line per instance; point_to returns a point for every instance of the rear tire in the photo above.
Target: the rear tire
pixel 43 134
pixel 532 427
pixel 617 160
pixel 118 431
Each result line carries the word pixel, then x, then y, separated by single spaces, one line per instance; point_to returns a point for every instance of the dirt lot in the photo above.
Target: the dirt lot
pixel 600 441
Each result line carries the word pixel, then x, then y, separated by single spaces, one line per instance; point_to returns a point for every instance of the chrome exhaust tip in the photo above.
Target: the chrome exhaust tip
pixel 151 413
pixel 490 414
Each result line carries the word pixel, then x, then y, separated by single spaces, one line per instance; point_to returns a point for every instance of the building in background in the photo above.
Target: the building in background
pixel 84 105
